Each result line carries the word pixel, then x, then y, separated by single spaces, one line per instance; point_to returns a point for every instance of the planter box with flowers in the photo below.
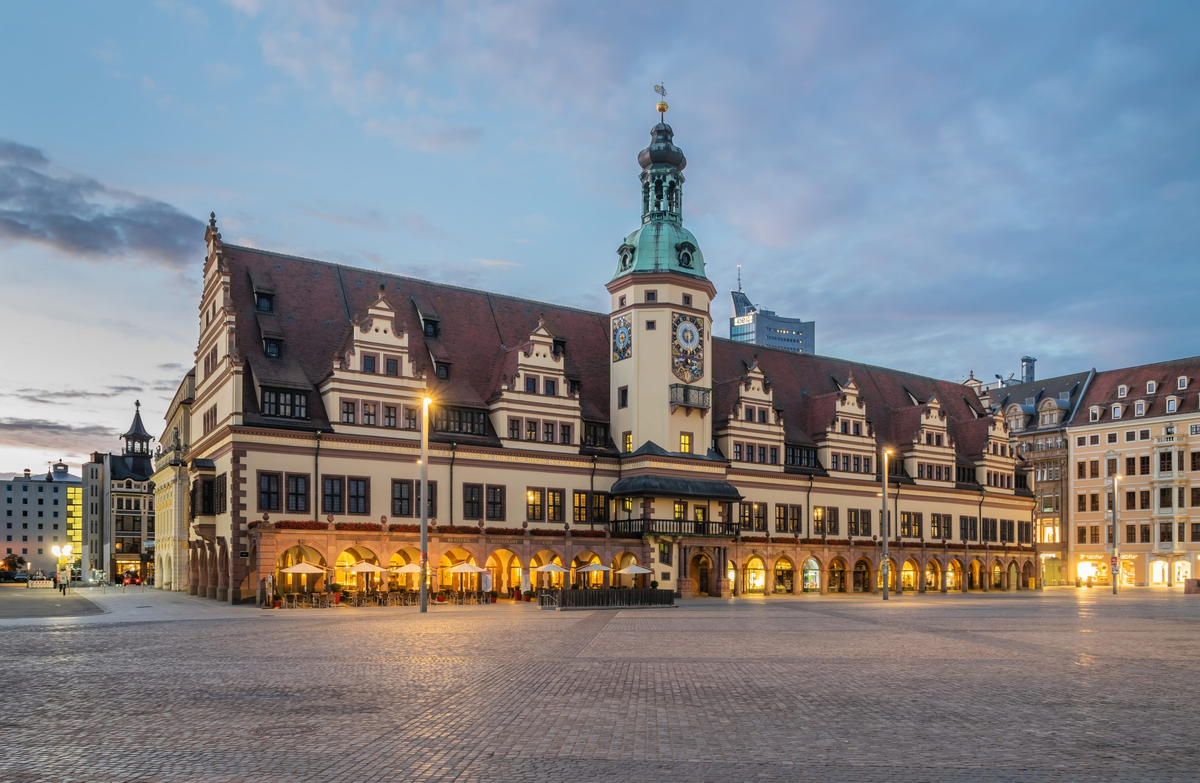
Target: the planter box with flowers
pixel 404 527
pixel 460 530
pixel 504 531
pixel 302 524
pixel 754 539
pixel 559 533
pixel 363 527
pixel 587 534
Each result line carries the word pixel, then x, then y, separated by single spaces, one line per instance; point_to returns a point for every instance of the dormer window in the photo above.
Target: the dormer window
pixel 432 328
pixel 1182 383
pixel 685 260
pixel 443 370
pixel 1094 414
pixel 393 367
pixel 551 388
pixel 273 348
pixel 1116 411
pixel 531 384
pixel 1150 387
pixel 1172 404
pixel 1122 390
pixel 368 364
pixel 264 303
pixel 1139 408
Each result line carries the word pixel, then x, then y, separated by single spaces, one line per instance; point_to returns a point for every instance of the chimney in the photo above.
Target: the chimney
pixel 1027 363
pixel 27 471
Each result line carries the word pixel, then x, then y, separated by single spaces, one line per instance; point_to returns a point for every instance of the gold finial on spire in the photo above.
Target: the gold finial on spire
pixel 662 107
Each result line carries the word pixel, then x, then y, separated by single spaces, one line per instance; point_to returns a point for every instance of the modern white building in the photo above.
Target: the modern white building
pixel 40 512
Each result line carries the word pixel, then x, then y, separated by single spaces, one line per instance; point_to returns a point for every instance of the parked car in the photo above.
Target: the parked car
pixel 21 576
pixel 6 576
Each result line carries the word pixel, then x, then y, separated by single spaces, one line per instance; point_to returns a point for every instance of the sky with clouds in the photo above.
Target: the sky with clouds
pixel 943 187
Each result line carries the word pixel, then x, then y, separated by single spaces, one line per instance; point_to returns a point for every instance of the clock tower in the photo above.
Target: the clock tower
pixel 661 324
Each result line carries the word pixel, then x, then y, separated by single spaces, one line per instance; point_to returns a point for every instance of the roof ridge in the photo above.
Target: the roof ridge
pixel 467 289
pixel 1152 364
pixel 864 365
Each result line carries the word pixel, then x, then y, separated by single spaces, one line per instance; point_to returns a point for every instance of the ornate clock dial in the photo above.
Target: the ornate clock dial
pixel 687 335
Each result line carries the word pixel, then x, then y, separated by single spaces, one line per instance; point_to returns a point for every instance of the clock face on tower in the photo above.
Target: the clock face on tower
pixel 687 347
pixel 622 338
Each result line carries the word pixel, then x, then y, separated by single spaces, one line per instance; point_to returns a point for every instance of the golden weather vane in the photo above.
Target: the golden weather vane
pixel 662 107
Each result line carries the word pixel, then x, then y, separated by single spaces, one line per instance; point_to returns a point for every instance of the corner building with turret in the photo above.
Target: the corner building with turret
pixel 559 435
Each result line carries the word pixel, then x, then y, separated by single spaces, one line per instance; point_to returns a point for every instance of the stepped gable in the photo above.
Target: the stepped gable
pixel 805 385
pixel 318 302
pixel 1103 389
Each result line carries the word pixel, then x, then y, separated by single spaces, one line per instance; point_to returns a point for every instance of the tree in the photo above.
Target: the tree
pixel 13 562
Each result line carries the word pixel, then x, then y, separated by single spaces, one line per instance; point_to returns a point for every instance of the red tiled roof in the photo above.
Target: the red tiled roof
pixel 1103 389
pixel 318 302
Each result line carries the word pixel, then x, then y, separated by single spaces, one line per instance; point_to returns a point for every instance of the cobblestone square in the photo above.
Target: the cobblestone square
pixel 1061 685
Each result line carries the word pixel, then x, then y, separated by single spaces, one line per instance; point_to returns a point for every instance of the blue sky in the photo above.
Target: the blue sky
pixel 943 187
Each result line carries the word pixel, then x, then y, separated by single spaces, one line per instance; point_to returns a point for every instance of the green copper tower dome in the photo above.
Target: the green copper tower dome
pixel 662 244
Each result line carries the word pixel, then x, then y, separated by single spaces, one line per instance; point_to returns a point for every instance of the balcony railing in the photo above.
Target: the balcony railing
pixel 672 527
pixel 691 396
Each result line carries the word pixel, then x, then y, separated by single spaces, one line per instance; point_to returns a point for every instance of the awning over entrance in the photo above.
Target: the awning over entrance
pixel 669 486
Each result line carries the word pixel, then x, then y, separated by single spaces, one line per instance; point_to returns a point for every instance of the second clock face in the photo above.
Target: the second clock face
pixel 687 347
pixel 688 335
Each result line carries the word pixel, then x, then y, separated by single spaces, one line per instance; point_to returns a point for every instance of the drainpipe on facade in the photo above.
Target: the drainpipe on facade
pixel 983 577
pixel 808 507
pixel 896 516
pixel 453 452
pixel 592 491
pixel 316 477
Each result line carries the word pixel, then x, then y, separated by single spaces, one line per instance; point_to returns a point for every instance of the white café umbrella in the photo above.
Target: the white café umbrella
pixel 552 568
pixel 466 568
pixel 635 569
pixel 591 568
pixel 363 567
pixel 408 568
pixel 304 568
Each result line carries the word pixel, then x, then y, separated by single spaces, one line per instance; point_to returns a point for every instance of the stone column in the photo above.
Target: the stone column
pixel 921 578
pixel 212 570
pixel 945 575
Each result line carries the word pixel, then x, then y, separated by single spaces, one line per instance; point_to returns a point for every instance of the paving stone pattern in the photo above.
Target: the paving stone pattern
pixel 1064 685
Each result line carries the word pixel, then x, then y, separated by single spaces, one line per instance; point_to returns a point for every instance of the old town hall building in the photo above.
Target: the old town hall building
pixel 567 436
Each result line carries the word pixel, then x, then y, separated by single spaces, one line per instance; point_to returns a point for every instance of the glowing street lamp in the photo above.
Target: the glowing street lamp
pixel 64 557
pixel 424 503
pixel 883 521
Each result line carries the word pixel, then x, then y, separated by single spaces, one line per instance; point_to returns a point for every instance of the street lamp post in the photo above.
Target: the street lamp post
pixel 1115 569
pixel 883 521
pixel 64 555
pixel 424 501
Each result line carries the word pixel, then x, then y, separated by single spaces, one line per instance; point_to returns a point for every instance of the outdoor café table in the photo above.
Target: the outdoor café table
pixel 291 600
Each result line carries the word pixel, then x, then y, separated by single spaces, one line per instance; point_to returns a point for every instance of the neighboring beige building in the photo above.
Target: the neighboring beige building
pixel 171 489
pixel 561 435
pixel 1038 414
pixel 1143 424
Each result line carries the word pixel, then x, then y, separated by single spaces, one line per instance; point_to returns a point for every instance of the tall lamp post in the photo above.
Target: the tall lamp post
pixel 424 502
pixel 64 556
pixel 883 521
pixel 1115 565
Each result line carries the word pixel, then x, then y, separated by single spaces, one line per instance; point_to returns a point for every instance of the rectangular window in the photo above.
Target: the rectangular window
pixel 774 455
pixel 431 506
pixel 297 494
pixel 685 443
pixel 332 494
pixel 369 414
pixel 628 442
pixel 1144 465
pixel 1094 538
pixel 1144 499
pixel 268 491
pixel 410 418
pixel 760 517
pixel 600 507
pixel 531 384
pixel 1094 501
pixel 623 397
pixel 359 496
pixel 270 403
pixel 1130 501
pixel 462 420
pixel 368 364
pixel 533 504
pixel 393 366
pixel 514 429
pixel 389 416
pixel 548 429
pixel 551 388
pixel 472 501
pixel 531 430
pixel 781 523
pixel 554 505
pixel 348 410
pixel 220 496
pixel 565 434
pixel 1164 497
pixel 1082 470
pixel 579 508
pixel 495 503
pixel 1144 533
pixel 744 512
pixel 402 495
pixel 1130 466
pixel 1094 468
pixel 762 453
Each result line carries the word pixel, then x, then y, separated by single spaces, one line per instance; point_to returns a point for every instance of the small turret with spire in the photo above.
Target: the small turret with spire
pixel 137 440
